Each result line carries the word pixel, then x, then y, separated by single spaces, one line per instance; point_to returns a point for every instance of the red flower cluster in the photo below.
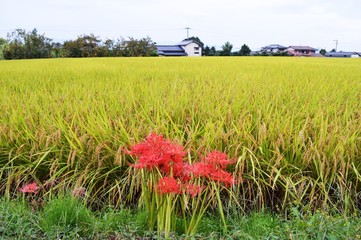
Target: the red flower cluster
pixel 30 188
pixel 172 185
pixel 218 159
pixel 213 167
pixel 156 152
pixel 193 189
pixel 168 185
pixel 168 158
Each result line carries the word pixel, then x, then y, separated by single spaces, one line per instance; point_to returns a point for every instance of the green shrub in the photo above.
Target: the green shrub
pixel 66 216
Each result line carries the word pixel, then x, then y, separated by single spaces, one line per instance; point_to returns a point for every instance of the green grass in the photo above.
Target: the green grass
pixel 293 124
pixel 66 214
pixel 19 221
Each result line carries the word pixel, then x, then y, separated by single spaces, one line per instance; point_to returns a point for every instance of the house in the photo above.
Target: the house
pixel 170 50
pixel 302 51
pixel 185 48
pixel 191 47
pixel 273 48
pixel 343 54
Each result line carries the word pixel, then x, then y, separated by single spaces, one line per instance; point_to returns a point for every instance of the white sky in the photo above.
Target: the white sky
pixel 257 23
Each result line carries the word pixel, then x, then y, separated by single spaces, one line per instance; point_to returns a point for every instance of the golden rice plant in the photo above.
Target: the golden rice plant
pixel 293 124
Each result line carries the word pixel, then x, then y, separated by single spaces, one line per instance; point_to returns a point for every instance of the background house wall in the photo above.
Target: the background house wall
pixel 193 49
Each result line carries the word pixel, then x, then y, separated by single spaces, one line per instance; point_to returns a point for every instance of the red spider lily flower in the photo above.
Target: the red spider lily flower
pixel 223 176
pixel 30 188
pixel 182 172
pixel 168 185
pixel 175 152
pixel 201 169
pixel 218 159
pixel 155 151
pixel 174 169
pixel 193 189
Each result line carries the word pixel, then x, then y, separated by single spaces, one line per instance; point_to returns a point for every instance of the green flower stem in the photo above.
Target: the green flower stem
pixel 220 206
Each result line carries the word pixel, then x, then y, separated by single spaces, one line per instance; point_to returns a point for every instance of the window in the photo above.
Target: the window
pixel 196 48
pixel 196 52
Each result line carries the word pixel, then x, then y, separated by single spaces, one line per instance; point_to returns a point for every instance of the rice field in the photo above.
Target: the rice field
pixel 292 124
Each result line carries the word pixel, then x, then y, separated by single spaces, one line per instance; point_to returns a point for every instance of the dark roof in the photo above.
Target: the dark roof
pixel 170 50
pixel 341 54
pixel 275 46
pixel 303 48
pixel 186 42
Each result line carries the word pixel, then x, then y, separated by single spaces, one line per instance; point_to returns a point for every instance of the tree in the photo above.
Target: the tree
pixel 15 48
pixel 206 51
pixel 323 51
pixel 72 48
pixel 85 46
pixel 3 42
pixel 37 45
pixel 226 49
pixel 110 46
pixel 22 44
pixel 144 47
pixel 57 50
pixel 333 50
pixel 90 45
pixel 213 51
pixel 245 50
pixel 209 51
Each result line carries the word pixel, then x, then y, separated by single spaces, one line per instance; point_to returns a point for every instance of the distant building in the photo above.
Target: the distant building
pixel 170 50
pixel 343 54
pixel 302 51
pixel 191 47
pixel 273 48
pixel 185 48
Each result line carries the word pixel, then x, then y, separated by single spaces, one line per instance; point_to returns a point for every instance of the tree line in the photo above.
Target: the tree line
pixel 21 44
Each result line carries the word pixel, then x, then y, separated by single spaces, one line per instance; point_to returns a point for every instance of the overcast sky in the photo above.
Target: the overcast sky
pixel 316 23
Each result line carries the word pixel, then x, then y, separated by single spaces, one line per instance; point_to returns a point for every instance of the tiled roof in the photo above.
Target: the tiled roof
pixel 303 48
pixel 170 50
pixel 275 46
pixel 300 54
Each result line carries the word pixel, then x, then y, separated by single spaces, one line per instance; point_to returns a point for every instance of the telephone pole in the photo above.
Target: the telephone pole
pixel 187 28
pixel 336 41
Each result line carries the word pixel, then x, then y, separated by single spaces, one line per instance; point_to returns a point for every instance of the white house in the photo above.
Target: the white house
pixel 191 48
pixel 185 48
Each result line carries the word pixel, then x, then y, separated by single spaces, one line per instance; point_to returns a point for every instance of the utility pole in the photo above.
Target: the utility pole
pixel 187 28
pixel 336 41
